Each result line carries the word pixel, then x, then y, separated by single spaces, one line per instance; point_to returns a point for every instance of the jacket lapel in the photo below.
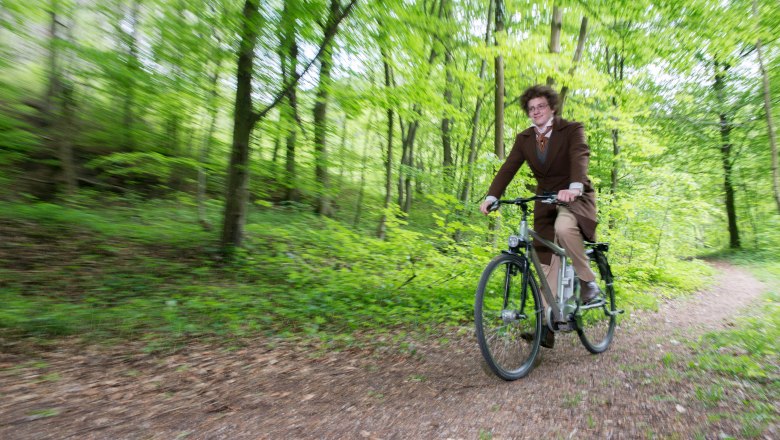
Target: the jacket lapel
pixel 529 148
pixel 555 146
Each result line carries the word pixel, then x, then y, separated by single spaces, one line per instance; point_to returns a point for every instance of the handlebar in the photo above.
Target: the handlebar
pixel 550 199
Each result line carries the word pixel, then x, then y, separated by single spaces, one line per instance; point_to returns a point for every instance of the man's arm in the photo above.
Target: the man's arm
pixel 504 176
pixel 579 157
pixel 507 171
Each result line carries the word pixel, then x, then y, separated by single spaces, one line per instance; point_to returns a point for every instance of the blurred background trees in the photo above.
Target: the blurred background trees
pixel 395 114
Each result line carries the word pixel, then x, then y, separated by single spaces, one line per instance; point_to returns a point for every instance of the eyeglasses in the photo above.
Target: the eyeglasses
pixel 539 107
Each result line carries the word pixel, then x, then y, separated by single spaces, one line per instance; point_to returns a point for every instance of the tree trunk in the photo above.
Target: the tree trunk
pixel 407 142
pixel 130 39
pixel 499 95
pixel 59 105
pixel 555 36
pixel 361 191
pixel 277 140
pixel 324 206
pixel 410 163
pixel 446 136
pixel 289 47
pixel 382 228
pixel 576 61
pixel 401 170
pixel 725 154
pixel 465 191
pixel 768 111
pixel 243 121
pixel 205 149
pixel 343 153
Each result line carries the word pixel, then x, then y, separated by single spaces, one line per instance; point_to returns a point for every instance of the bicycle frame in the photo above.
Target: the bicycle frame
pixel 526 237
pixel 557 314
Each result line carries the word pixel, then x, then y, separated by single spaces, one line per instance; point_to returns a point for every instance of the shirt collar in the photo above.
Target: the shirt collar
pixel 544 127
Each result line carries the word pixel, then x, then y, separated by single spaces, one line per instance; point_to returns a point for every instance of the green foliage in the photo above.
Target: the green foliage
pixel 150 168
pixel 149 269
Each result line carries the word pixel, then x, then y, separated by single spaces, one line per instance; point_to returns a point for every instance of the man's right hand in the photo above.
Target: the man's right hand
pixel 485 206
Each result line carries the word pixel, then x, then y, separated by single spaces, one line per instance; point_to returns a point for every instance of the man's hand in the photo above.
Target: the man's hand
pixel 567 195
pixel 485 206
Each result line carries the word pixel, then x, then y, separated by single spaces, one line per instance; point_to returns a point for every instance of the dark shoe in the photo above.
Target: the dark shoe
pixel 548 337
pixel 589 292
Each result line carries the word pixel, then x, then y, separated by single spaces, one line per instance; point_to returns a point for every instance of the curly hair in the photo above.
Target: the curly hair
pixel 540 91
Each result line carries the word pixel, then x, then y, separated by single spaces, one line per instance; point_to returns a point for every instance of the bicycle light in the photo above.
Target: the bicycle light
pixel 514 241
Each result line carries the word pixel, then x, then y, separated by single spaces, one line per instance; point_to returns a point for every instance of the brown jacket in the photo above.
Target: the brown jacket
pixel 567 162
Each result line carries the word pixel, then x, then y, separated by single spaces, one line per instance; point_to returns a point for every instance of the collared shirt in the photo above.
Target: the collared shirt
pixel 541 129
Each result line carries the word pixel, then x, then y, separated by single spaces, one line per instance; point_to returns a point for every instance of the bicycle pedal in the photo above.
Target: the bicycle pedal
pixel 593 305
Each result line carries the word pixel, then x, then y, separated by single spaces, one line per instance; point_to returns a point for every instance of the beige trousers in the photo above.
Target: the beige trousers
pixel 567 236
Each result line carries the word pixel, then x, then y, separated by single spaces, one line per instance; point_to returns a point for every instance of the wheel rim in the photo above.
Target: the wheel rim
pixel 506 325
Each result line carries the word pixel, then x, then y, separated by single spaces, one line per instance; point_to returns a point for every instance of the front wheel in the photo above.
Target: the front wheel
pixel 596 325
pixel 507 313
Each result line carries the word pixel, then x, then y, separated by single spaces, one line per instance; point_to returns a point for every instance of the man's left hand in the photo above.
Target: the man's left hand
pixel 567 195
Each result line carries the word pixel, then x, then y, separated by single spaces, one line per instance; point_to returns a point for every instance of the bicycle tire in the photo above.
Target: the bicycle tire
pixel 509 344
pixel 596 327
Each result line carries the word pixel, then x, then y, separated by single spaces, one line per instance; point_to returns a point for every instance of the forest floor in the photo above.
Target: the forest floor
pixel 426 387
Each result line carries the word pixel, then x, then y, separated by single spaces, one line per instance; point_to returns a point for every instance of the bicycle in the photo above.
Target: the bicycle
pixel 508 309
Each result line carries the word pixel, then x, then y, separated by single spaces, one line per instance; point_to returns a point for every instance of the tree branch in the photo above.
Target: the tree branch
pixel 330 32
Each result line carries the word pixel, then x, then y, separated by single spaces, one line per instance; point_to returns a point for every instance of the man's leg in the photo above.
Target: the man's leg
pixel 568 234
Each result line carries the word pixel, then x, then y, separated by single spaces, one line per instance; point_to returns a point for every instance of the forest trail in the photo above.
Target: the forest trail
pixel 430 389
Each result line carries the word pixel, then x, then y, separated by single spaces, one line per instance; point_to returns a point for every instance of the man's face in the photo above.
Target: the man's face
pixel 539 111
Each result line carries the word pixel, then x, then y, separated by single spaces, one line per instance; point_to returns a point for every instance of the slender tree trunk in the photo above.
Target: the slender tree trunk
pixel 499 72
pixel 661 234
pixel 576 60
pixel 446 136
pixel 768 111
pixel 404 154
pixel 238 170
pixel 59 104
pixel 361 190
pixel 130 39
pixel 382 228
pixel 725 153
pixel 205 148
pixel 465 191
pixel 290 72
pixel 555 35
pixel 324 205
pixel 615 161
pixel 407 142
pixel 343 153
pixel 617 78
pixel 277 140
pixel 408 180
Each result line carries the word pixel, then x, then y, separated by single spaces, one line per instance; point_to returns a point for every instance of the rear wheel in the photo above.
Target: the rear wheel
pixel 507 313
pixel 596 325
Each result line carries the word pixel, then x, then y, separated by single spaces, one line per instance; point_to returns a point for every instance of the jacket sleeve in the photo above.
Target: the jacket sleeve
pixel 508 170
pixel 579 154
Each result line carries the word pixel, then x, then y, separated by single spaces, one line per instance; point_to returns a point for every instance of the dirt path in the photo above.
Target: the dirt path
pixel 433 389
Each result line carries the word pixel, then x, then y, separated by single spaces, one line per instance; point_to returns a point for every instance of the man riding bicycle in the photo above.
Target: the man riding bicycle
pixel 557 154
